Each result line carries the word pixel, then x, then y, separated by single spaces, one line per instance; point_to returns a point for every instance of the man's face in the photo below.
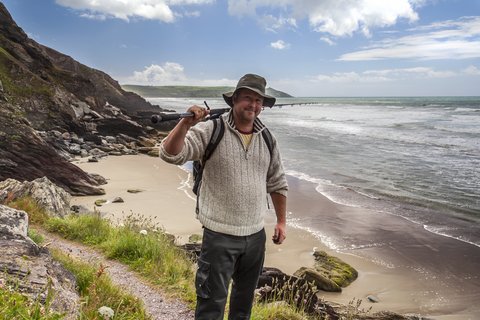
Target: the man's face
pixel 247 105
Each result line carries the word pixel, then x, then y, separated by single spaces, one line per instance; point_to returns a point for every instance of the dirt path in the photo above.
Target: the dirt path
pixel 156 303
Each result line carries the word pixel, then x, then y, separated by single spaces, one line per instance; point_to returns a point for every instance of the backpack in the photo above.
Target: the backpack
pixel 215 138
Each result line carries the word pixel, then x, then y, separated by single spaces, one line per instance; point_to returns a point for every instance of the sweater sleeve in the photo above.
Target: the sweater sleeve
pixel 276 180
pixel 194 147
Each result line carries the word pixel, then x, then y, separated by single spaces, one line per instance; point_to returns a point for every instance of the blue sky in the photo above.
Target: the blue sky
pixel 303 47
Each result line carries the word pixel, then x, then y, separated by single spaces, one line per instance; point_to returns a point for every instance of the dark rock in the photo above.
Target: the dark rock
pixel 273 284
pixel 134 190
pixel 100 180
pixel 44 90
pixel 33 159
pixel 145 142
pixel 193 250
pixel 79 209
pixel 118 200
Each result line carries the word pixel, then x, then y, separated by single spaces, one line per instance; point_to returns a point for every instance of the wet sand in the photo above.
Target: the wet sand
pixel 407 268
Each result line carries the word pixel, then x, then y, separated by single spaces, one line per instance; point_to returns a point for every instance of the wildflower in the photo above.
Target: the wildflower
pixel 106 312
pixel 144 232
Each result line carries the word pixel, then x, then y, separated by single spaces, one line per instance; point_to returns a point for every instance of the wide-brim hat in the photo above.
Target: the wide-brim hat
pixel 252 82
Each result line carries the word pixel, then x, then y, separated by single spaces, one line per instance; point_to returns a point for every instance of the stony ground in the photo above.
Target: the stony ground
pixel 156 303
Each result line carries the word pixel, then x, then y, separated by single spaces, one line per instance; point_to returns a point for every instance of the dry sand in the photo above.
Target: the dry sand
pixel 167 200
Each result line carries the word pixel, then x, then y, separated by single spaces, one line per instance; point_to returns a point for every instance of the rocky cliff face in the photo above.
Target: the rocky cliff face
pixel 42 90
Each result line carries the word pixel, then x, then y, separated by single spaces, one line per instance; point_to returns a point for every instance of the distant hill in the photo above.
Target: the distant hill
pixel 189 91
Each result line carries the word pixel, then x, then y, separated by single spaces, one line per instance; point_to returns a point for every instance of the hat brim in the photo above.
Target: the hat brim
pixel 268 101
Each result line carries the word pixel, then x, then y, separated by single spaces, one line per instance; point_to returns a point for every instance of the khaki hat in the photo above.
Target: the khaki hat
pixel 252 82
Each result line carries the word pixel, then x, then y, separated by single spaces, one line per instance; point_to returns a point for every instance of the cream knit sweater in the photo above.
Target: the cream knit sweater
pixel 233 194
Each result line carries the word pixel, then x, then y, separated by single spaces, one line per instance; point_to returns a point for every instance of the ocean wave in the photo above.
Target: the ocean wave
pixel 448 232
pixel 461 109
pixel 326 240
pixel 333 192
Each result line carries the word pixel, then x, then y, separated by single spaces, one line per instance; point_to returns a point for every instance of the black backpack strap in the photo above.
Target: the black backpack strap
pixel 217 135
pixel 267 136
pixel 215 138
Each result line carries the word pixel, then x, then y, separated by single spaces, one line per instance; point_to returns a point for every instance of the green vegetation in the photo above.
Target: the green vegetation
pixel 21 85
pixel 96 290
pixel 15 305
pixel 146 249
pixel 138 243
pixel 335 269
pixel 188 91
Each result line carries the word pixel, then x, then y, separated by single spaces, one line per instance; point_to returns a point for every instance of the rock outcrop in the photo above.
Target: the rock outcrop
pixel 47 195
pixel 43 90
pixel 329 273
pixel 31 268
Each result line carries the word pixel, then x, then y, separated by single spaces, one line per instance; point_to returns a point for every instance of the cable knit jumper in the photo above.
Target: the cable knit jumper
pixel 233 194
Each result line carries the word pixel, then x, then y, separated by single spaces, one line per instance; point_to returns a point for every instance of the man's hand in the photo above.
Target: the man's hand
pixel 199 114
pixel 175 140
pixel 279 233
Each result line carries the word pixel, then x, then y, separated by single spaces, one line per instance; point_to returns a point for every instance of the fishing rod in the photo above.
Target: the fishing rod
pixel 214 113
pixel 175 116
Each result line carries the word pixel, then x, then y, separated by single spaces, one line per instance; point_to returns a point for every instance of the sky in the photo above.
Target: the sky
pixel 307 48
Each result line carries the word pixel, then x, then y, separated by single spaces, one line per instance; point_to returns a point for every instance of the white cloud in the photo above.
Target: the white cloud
pixel 127 9
pixel 405 73
pixel 280 45
pixel 348 77
pixel 169 73
pixel 445 40
pixel 384 75
pixel 273 24
pixel 328 41
pixel 91 16
pixel 472 70
pixel 335 17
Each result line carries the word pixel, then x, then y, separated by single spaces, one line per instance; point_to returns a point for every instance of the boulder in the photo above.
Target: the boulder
pixel 334 269
pixel 322 282
pixel 145 142
pixel 273 285
pixel 117 200
pixel 31 268
pixel 55 200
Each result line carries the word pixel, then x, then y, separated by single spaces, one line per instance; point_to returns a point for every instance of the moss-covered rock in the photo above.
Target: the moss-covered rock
pixel 195 238
pixel 334 269
pixel 100 202
pixel 321 281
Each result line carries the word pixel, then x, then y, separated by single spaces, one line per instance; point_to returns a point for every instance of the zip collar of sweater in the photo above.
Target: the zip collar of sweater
pixel 258 125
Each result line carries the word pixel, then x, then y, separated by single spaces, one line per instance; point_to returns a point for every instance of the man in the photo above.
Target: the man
pixel 232 198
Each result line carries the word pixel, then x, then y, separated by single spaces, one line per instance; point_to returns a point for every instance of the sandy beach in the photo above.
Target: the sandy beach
pixel 400 264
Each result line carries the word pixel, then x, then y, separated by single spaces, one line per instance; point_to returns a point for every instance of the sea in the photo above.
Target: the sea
pixel 413 157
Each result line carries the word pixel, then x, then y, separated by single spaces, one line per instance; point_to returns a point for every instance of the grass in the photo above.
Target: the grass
pixel 21 84
pixel 150 253
pixel 147 250
pixel 96 291
pixel 15 305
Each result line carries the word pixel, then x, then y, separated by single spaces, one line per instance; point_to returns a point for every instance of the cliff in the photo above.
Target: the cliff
pixel 44 91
